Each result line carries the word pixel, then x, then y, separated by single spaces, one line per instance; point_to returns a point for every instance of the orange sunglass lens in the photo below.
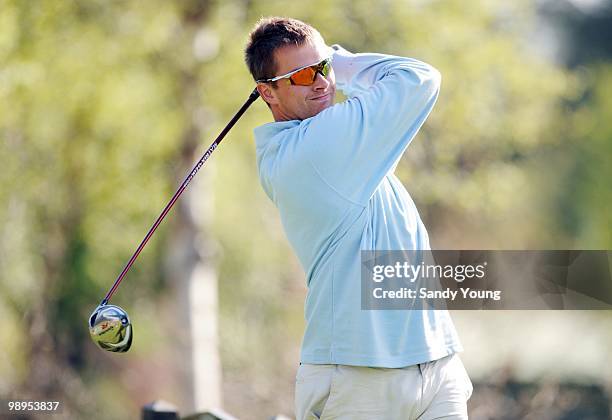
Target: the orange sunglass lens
pixel 304 77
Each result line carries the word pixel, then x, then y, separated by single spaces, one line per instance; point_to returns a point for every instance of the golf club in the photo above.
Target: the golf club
pixel 109 325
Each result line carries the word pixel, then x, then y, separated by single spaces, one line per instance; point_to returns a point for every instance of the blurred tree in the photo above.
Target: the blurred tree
pixel 581 206
pixel 190 262
pixel 583 28
pixel 105 105
pixel 585 201
pixel 79 101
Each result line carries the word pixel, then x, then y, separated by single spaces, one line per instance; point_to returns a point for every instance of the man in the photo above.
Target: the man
pixel 329 170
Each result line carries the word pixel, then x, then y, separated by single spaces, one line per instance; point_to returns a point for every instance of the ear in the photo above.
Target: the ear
pixel 267 93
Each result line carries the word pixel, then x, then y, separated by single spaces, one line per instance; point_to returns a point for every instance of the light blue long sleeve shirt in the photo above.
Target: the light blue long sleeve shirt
pixel 332 179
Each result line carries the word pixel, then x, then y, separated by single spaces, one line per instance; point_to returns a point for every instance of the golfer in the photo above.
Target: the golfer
pixel 329 169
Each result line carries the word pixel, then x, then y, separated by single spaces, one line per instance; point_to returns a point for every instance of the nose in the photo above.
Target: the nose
pixel 320 82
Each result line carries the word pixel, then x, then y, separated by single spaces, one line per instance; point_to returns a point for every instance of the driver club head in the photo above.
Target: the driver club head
pixel 110 328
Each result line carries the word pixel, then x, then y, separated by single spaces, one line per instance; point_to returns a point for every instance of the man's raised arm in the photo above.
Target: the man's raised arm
pixel 353 145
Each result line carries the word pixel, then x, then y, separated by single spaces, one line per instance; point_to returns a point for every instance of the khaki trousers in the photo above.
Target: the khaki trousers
pixel 434 390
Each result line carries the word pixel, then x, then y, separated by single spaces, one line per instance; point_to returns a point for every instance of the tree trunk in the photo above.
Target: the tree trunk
pixel 191 261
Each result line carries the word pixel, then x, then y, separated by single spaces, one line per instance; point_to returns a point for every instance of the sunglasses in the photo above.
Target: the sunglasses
pixel 304 76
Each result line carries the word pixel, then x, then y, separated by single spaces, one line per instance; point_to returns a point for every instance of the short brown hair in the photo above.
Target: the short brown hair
pixel 270 34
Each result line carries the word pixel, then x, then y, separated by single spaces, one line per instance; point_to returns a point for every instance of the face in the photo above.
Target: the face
pixel 293 102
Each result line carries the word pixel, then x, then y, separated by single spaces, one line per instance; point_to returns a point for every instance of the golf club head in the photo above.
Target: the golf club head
pixel 110 328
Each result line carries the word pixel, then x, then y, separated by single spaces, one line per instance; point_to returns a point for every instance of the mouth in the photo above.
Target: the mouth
pixel 322 98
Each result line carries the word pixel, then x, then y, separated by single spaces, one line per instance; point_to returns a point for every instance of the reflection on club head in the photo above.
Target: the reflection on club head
pixel 110 328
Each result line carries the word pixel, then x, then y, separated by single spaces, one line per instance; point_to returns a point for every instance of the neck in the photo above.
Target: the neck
pixel 279 115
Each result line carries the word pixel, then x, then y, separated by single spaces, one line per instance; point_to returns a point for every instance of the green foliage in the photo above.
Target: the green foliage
pixel 583 207
pixel 93 115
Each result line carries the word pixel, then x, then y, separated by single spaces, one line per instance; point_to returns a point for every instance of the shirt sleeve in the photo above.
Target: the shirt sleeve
pixel 353 145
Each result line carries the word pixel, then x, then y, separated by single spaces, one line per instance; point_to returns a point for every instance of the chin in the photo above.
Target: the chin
pixel 322 107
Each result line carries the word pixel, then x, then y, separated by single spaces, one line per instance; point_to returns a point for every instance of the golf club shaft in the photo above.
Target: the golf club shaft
pixel 254 95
